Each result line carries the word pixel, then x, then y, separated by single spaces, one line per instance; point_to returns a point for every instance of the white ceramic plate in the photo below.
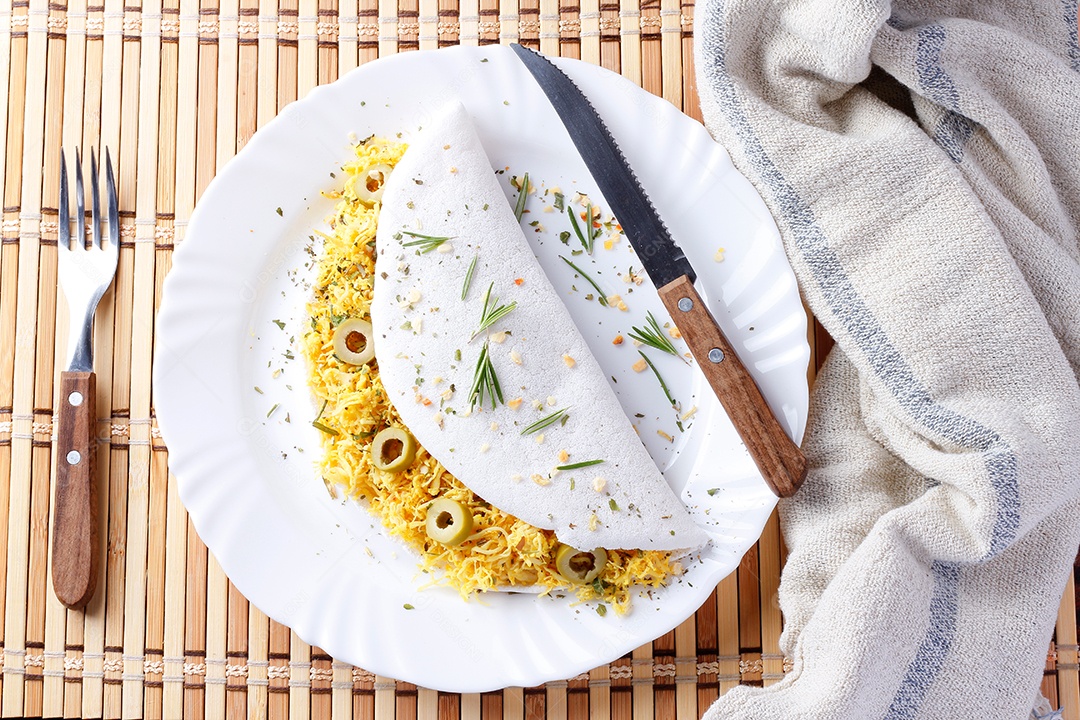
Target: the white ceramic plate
pixel 233 311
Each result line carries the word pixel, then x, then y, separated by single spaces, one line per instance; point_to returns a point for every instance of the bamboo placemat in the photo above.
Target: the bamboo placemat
pixel 175 88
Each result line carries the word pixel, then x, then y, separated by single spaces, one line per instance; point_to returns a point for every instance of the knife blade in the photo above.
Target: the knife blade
pixel 780 461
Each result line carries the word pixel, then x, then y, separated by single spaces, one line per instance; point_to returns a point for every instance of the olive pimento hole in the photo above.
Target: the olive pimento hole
pixel 375 180
pixel 583 563
pixel 355 341
pixel 391 450
pixel 444 520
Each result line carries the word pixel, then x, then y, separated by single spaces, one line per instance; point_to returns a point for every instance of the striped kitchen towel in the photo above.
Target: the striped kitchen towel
pixel 922 160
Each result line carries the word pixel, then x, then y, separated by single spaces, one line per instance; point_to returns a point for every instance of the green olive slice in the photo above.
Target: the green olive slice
pixel 353 343
pixel 393 449
pixel 369 186
pixel 448 521
pixel 580 566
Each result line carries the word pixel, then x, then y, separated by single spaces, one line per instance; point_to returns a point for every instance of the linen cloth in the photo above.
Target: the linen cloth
pixel 922 161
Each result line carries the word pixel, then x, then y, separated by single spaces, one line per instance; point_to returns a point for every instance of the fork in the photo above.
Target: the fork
pixel 85 271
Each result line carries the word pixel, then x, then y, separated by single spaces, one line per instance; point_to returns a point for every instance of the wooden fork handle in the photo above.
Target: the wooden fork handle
pixel 779 459
pixel 75 506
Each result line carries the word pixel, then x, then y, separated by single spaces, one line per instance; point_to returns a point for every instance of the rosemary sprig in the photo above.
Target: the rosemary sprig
pixel 468 277
pixel 575 466
pixel 426 243
pixel 321 426
pixel 546 421
pixel 492 312
pixel 603 297
pixel 585 242
pixel 656 372
pixel 592 231
pixel 485 382
pixel 523 195
pixel 325 428
pixel 653 336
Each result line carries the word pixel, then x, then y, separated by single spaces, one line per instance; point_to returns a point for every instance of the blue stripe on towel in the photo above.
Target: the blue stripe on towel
pixel 935 645
pixel 1070 7
pixel 872 341
pixel 953 129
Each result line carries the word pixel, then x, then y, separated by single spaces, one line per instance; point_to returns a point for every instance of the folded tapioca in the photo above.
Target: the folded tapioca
pixel 487 369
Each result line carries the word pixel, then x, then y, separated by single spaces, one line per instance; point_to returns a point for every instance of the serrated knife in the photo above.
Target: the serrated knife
pixel 780 461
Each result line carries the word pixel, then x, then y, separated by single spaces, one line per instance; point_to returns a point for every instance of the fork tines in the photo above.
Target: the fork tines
pixel 63 216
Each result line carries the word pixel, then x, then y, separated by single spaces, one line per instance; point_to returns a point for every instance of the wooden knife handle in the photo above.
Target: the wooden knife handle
pixel 75 507
pixel 779 459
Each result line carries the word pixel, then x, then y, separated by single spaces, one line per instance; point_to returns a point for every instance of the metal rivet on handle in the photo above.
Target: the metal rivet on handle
pixel 716 355
pixel 75 398
pixel 686 304
pixel 74 457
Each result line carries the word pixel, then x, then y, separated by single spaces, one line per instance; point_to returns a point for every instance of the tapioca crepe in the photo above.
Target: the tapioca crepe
pixel 446 230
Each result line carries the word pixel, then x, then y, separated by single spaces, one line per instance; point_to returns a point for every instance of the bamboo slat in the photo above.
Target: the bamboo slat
pixel 174 89
pixel 267 63
pixel 428 24
pixel 590 31
pixel 52 670
pixel 468 22
pixel 686 678
pixel 47 135
pixel 348 35
pixel 690 103
pixel 204 626
pixel 772 666
pixel 708 667
pixel 307 47
pixel 727 613
pixel 368 30
pixel 9 65
pixel 630 40
pixel 1066 678
pixel 140 154
pixel 85 634
pixel 258 654
pixel 165 578
pixel 671 73
pixel 24 188
pixel 569 29
pixel 161 215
